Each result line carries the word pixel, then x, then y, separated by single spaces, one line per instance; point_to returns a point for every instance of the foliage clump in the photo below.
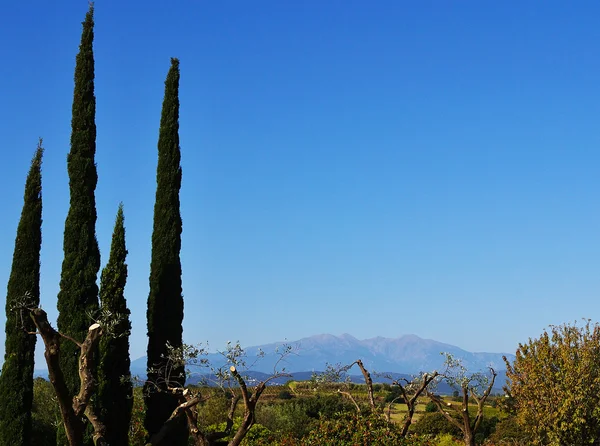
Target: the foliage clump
pixel 165 301
pixel 16 380
pixel 555 385
pixel 78 295
pixel 114 397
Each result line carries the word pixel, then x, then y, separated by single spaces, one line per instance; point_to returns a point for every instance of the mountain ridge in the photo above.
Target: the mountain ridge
pixel 407 354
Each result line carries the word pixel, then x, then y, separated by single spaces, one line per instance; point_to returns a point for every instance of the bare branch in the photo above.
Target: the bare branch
pixel 442 408
pixel 411 402
pixel 351 398
pixel 368 382
pixel 86 367
pixel 72 410
pixel 179 410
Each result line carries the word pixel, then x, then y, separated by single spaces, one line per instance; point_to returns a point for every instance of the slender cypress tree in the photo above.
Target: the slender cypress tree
pixel 16 381
pixel 78 296
pixel 165 302
pixel 114 398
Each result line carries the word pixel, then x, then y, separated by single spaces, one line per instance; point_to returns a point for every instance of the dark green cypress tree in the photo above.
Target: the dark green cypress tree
pixel 165 302
pixel 16 381
pixel 78 296
pixel 115 392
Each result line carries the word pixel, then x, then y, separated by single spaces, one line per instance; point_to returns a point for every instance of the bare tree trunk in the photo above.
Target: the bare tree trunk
pixel 249 404
pixel 469 438
pixel 188 402
pixel 467 428
pixel 73 410
pixel 368 382
pixel 411 402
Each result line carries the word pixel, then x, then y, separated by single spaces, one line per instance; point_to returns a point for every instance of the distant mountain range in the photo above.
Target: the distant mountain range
pixel 403 356
pixel 407 354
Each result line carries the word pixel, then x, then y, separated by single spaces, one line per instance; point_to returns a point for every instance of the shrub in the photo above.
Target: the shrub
pixel 431 407
pixel 137 432
pixel 285 395
pixel 45 413
pixel 434 423
pixel 285 418
pixel 445 440
pixel 350 429
pixel 394 394
pixel 508 431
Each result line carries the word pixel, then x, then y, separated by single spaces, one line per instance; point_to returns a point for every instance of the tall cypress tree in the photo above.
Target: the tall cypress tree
pixel 16 381
pixel 114 398
pixel 165 302
pixel 78 296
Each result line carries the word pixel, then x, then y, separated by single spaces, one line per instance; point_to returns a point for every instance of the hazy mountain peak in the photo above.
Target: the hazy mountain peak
pixel 407 354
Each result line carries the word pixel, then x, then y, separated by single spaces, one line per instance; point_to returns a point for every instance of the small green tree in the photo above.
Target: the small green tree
pixel 16 380
pixel 114 398
pixel 555 385
pixel 165 301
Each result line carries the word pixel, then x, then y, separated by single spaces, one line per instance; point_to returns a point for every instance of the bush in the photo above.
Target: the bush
pixel 508 431
pixel 45 413
pixel 215 409
pixel 486 428
pixel 137 432
pixel 350 429
pixel 326 406
pixel 285 395
pixel 434 423
pixel 394 394
pixel 296 417
pixel 431 407
pixel 285 418
pixel 445 440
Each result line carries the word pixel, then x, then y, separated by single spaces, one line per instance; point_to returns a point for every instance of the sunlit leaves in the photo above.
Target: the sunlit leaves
pixel 555 385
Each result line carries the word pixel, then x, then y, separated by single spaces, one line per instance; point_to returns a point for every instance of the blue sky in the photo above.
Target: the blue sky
pixel 376 168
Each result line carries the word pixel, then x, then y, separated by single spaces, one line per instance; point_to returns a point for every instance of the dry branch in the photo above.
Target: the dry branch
pixel 72 409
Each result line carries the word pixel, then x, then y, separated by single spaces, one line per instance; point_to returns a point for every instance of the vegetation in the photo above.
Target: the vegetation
pixel 45 414
pixel 435 423
pixel 349 429
pixel 114 398
pixel 16 380
pixel 552 397
pixel 165 302
pixel 555 385
pixel 474 386
pixel 78 296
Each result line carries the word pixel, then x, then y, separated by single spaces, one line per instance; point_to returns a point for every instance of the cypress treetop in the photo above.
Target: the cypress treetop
pixel 115 392
pixel 78 296
pixel 165 302
pixel 16 380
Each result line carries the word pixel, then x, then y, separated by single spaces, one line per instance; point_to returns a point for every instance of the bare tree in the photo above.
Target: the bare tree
pixel 476 386
pixel 410 392
pixel 229 379
pixel 72 410
pixel 338 374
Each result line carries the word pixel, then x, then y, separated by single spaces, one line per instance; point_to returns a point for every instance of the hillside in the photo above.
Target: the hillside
pixel 408 354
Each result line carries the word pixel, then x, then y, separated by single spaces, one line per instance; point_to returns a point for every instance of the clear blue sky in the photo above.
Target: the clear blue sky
pixel 376 168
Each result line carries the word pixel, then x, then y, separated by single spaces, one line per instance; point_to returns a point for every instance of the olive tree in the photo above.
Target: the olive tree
pixel 476 386
pixel 230 377
pixel 409 390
